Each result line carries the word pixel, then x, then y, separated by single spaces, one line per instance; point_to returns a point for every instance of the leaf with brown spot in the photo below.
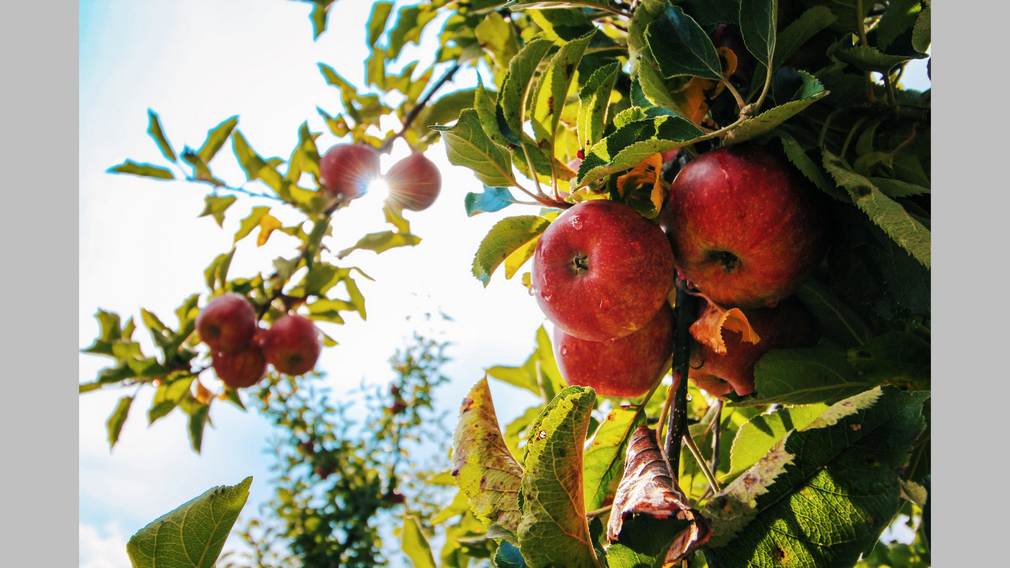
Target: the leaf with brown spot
pixel 482 464
pixel 650 521
pixel 709 327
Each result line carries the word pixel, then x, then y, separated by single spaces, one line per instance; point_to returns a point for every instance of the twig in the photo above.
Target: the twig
pixel 716 432
pixel 416 111
pixel 702 463
pixel 677 427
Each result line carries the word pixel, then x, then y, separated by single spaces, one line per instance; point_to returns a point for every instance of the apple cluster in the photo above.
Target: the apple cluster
pixel 742 229
pixel 347 169
pixel 241 349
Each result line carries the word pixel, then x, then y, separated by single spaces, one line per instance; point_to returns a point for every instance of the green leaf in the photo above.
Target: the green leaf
pixel 837 321
pixel 375 69
pixel 410 22
pixel 553 530
pixel 896 188
pixel 759 435
pixel 317 16
pixel 482 465
pixel 145 170
pixel 252 164
pixel 496 36
pixel 868 58
pixel 758 27
pixel 630 144
pixel 604 460
pixel 114 425
pixel 381 242
pixel 488 201
pixel 800 31
pixel 826 373
pixel 822 495
pixel 554 86
pixel 810 92
pixel 539 373
pixel 681 47
pixel 466 144
pixel 197 420
pixel 898 17
pixel 508 556
pixel 886 213
pixel 191 535
pixel 377 21
pixel 517 86
pixel 921 31
pixel 250 222
pixel 216 274
pixel 157 133
pixel 216 138
pixel 504 238
pixel 594 102
pixel 810 169
pixel 216 205
pixel 415 545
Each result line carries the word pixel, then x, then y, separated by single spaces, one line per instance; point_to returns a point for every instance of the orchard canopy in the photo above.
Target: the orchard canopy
pixel 722 209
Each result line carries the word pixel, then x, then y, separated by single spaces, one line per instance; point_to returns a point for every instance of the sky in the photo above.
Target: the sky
pixel 197 62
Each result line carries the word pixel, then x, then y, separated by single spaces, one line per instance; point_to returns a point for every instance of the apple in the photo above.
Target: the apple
pixel 601 271
pixel 786 325
pixel 227 323
pixel 414 182
pixel 346 170
pixel 745 227
pixel 626 366
pixel 292 345
pixel 240 369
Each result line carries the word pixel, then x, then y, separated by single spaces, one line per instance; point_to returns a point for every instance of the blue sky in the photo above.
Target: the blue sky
pixel 197 62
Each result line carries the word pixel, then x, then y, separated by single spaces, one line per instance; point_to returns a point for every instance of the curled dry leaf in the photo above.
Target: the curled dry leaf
pixel 648 173
pixel 649 489
pixel 708 329
pixel 482 464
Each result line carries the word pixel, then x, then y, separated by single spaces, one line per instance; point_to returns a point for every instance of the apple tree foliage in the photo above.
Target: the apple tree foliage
pixel 581 100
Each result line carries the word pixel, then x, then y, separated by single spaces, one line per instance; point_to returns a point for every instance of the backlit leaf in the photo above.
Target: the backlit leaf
pixel 466 144
pixel 414 544
pixel 157 133
pixel 145 170
pixel 114 425
pixel 504 238
pixel 192 535
pixel 216 138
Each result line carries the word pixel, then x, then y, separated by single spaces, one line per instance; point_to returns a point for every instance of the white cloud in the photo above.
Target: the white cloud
pixel 102 547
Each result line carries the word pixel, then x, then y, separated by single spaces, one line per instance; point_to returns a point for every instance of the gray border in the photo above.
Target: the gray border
pixel 970 281
pixel 38 234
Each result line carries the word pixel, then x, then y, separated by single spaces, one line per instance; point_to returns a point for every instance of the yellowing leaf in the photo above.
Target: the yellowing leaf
pixel 647 173
pixel 481 463
pixel 268 224
pixel 709 327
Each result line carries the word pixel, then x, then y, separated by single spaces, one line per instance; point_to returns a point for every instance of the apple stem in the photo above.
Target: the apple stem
pixel 716 431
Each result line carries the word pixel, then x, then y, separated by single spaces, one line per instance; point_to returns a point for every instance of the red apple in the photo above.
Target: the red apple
pixel 745 227
pixel 414 182
pixel 227 323
pixel 601 271
pixel 240 369
pixel 292 345
pixel 786 325
pixel 626 367
pixel 346 170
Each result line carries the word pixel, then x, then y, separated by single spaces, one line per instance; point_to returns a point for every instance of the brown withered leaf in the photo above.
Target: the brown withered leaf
pixel 708 328
pixel 481 463
pixel 649 490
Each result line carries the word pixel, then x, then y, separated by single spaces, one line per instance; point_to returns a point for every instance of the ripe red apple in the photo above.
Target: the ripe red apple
pixel 227 323
pixel 786 325
pixel 601 271
pixel 626 367
pixel 745 227
pixel 346 170
pixel 240 369
pixel 414 182
pixel 292 345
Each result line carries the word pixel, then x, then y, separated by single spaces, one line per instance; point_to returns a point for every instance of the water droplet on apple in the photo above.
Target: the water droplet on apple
pixel 564 350
pixel 547 298
pixel 576 222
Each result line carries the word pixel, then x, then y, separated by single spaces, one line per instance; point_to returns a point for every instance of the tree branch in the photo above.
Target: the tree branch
pixel 414 112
